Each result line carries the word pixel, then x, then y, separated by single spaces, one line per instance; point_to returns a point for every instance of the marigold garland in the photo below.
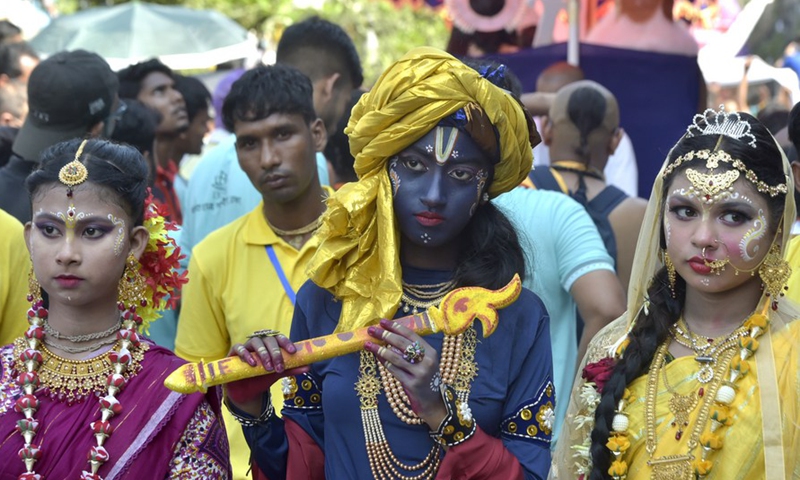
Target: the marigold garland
pixel 160 265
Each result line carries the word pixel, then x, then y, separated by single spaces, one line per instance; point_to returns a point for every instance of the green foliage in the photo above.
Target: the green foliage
pixel 381 31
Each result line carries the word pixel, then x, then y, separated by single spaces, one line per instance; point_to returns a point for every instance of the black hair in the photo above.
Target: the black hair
pixel 491 252
pixel 130 78
pixel 586 109
pixel 10 55
pixel 119 168
pixel 8 31
pixel 137 126
pixel 195 94
pixel 337 150
pixel 320 48
pixel 265 90
pixel 794 126
pixel 652 329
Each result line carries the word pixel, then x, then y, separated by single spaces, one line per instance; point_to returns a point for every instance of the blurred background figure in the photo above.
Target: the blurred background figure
pixel 153 83
pixel 620 170
pixel 17 61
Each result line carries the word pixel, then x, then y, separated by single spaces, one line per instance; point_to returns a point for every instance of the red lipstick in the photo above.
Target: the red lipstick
pixel 68 281
pixel 699 265
pixel 429 219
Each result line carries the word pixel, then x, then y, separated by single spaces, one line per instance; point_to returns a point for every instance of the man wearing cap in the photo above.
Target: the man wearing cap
pixel 70 94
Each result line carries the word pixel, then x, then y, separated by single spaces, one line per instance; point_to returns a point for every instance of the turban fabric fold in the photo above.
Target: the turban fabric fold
pixel 358 259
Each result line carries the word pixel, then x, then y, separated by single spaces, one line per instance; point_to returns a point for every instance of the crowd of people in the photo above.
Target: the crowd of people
pixel 147 221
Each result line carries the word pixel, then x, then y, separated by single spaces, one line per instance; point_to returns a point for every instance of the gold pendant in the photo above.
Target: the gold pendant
pixel 681 406
pixel 672 467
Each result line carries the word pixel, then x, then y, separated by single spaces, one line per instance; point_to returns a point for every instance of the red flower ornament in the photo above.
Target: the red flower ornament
pixel 599 372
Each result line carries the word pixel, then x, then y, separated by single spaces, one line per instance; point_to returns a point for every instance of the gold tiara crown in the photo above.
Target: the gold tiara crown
pixel 712 122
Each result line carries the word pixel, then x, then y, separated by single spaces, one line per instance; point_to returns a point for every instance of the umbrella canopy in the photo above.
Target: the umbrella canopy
pixel 180 37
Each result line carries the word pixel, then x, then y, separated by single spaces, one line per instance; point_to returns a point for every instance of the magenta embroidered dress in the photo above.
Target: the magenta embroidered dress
pixel 158 434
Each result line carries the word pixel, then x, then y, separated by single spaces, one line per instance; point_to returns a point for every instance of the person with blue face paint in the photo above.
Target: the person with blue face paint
pixel 434 141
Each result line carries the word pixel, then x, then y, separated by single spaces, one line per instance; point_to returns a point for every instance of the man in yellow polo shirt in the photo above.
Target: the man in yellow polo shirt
pixel 14 266
pixel 243 277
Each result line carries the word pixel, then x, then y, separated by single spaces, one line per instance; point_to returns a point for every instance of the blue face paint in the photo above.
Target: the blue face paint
pixel 437 183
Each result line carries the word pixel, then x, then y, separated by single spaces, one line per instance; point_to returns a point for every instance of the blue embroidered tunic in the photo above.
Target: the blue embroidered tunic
pixel 512 396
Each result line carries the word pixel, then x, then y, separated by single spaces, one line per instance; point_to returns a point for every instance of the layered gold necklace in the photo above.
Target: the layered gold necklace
pixel 715 399
pixel 457 367
pixel 72 381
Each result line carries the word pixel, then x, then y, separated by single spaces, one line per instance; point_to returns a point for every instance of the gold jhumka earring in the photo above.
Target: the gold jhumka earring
pixel 132 285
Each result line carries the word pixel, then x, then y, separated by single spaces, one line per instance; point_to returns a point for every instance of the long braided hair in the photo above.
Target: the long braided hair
pixel 653 328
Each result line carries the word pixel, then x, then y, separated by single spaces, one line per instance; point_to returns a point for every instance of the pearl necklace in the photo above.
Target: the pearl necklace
pixel 124 363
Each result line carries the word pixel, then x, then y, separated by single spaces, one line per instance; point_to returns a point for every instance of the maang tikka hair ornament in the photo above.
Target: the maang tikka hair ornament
pixel 74 173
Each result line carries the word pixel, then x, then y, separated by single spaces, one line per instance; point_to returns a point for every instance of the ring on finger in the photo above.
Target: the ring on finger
pixel 414 353
pixel 240 348
pixel 264 333
pixel 262 350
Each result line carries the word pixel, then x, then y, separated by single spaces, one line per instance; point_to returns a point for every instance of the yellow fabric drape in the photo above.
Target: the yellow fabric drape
pixel 358 258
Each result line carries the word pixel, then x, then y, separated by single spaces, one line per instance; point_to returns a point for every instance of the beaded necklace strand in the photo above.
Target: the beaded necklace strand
pixel 123 359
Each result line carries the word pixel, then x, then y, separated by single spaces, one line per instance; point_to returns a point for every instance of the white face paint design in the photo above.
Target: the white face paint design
pixel 753 235
pixel 393 176
pixel 705 281
pixel 482 176
pixel 446 138
pixel 666 229
pixel 120 224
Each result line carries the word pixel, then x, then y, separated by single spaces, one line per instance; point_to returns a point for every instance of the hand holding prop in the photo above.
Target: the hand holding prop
pixel 456 312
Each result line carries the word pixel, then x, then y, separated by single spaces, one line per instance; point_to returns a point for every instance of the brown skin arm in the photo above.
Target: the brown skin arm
pixel 600 300
pixel 626 221
pixel 537 103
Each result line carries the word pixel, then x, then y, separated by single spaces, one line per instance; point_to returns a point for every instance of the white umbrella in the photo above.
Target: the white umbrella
pixel 182 38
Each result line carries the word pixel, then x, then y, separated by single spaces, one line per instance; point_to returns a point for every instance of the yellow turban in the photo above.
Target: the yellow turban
pixel 358 258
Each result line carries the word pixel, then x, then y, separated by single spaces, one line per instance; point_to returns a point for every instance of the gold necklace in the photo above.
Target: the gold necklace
pixel 680 405
pixel 295 237
pixel 298 231
pixel 708 354
pixel 72 380
pixel 383 463
pixel 715 408
pixel 416 298
pixel 676 467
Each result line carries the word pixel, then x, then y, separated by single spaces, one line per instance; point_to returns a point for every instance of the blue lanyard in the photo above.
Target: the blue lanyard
pixel 287 287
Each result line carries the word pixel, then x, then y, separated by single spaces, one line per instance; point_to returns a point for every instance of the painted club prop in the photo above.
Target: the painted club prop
pixel 456 312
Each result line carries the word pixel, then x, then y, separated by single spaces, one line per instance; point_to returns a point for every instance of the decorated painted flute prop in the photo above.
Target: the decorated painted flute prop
pixel 456 312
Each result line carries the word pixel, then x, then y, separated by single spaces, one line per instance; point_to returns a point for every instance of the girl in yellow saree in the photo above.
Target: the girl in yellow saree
pixel 699 379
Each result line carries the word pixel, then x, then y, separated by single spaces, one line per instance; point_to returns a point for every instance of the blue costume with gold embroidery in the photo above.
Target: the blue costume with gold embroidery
pixel 512 396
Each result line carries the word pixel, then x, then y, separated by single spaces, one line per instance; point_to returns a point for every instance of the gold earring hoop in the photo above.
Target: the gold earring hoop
pixel 671 275
pixel 34 289
pixel 132 285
